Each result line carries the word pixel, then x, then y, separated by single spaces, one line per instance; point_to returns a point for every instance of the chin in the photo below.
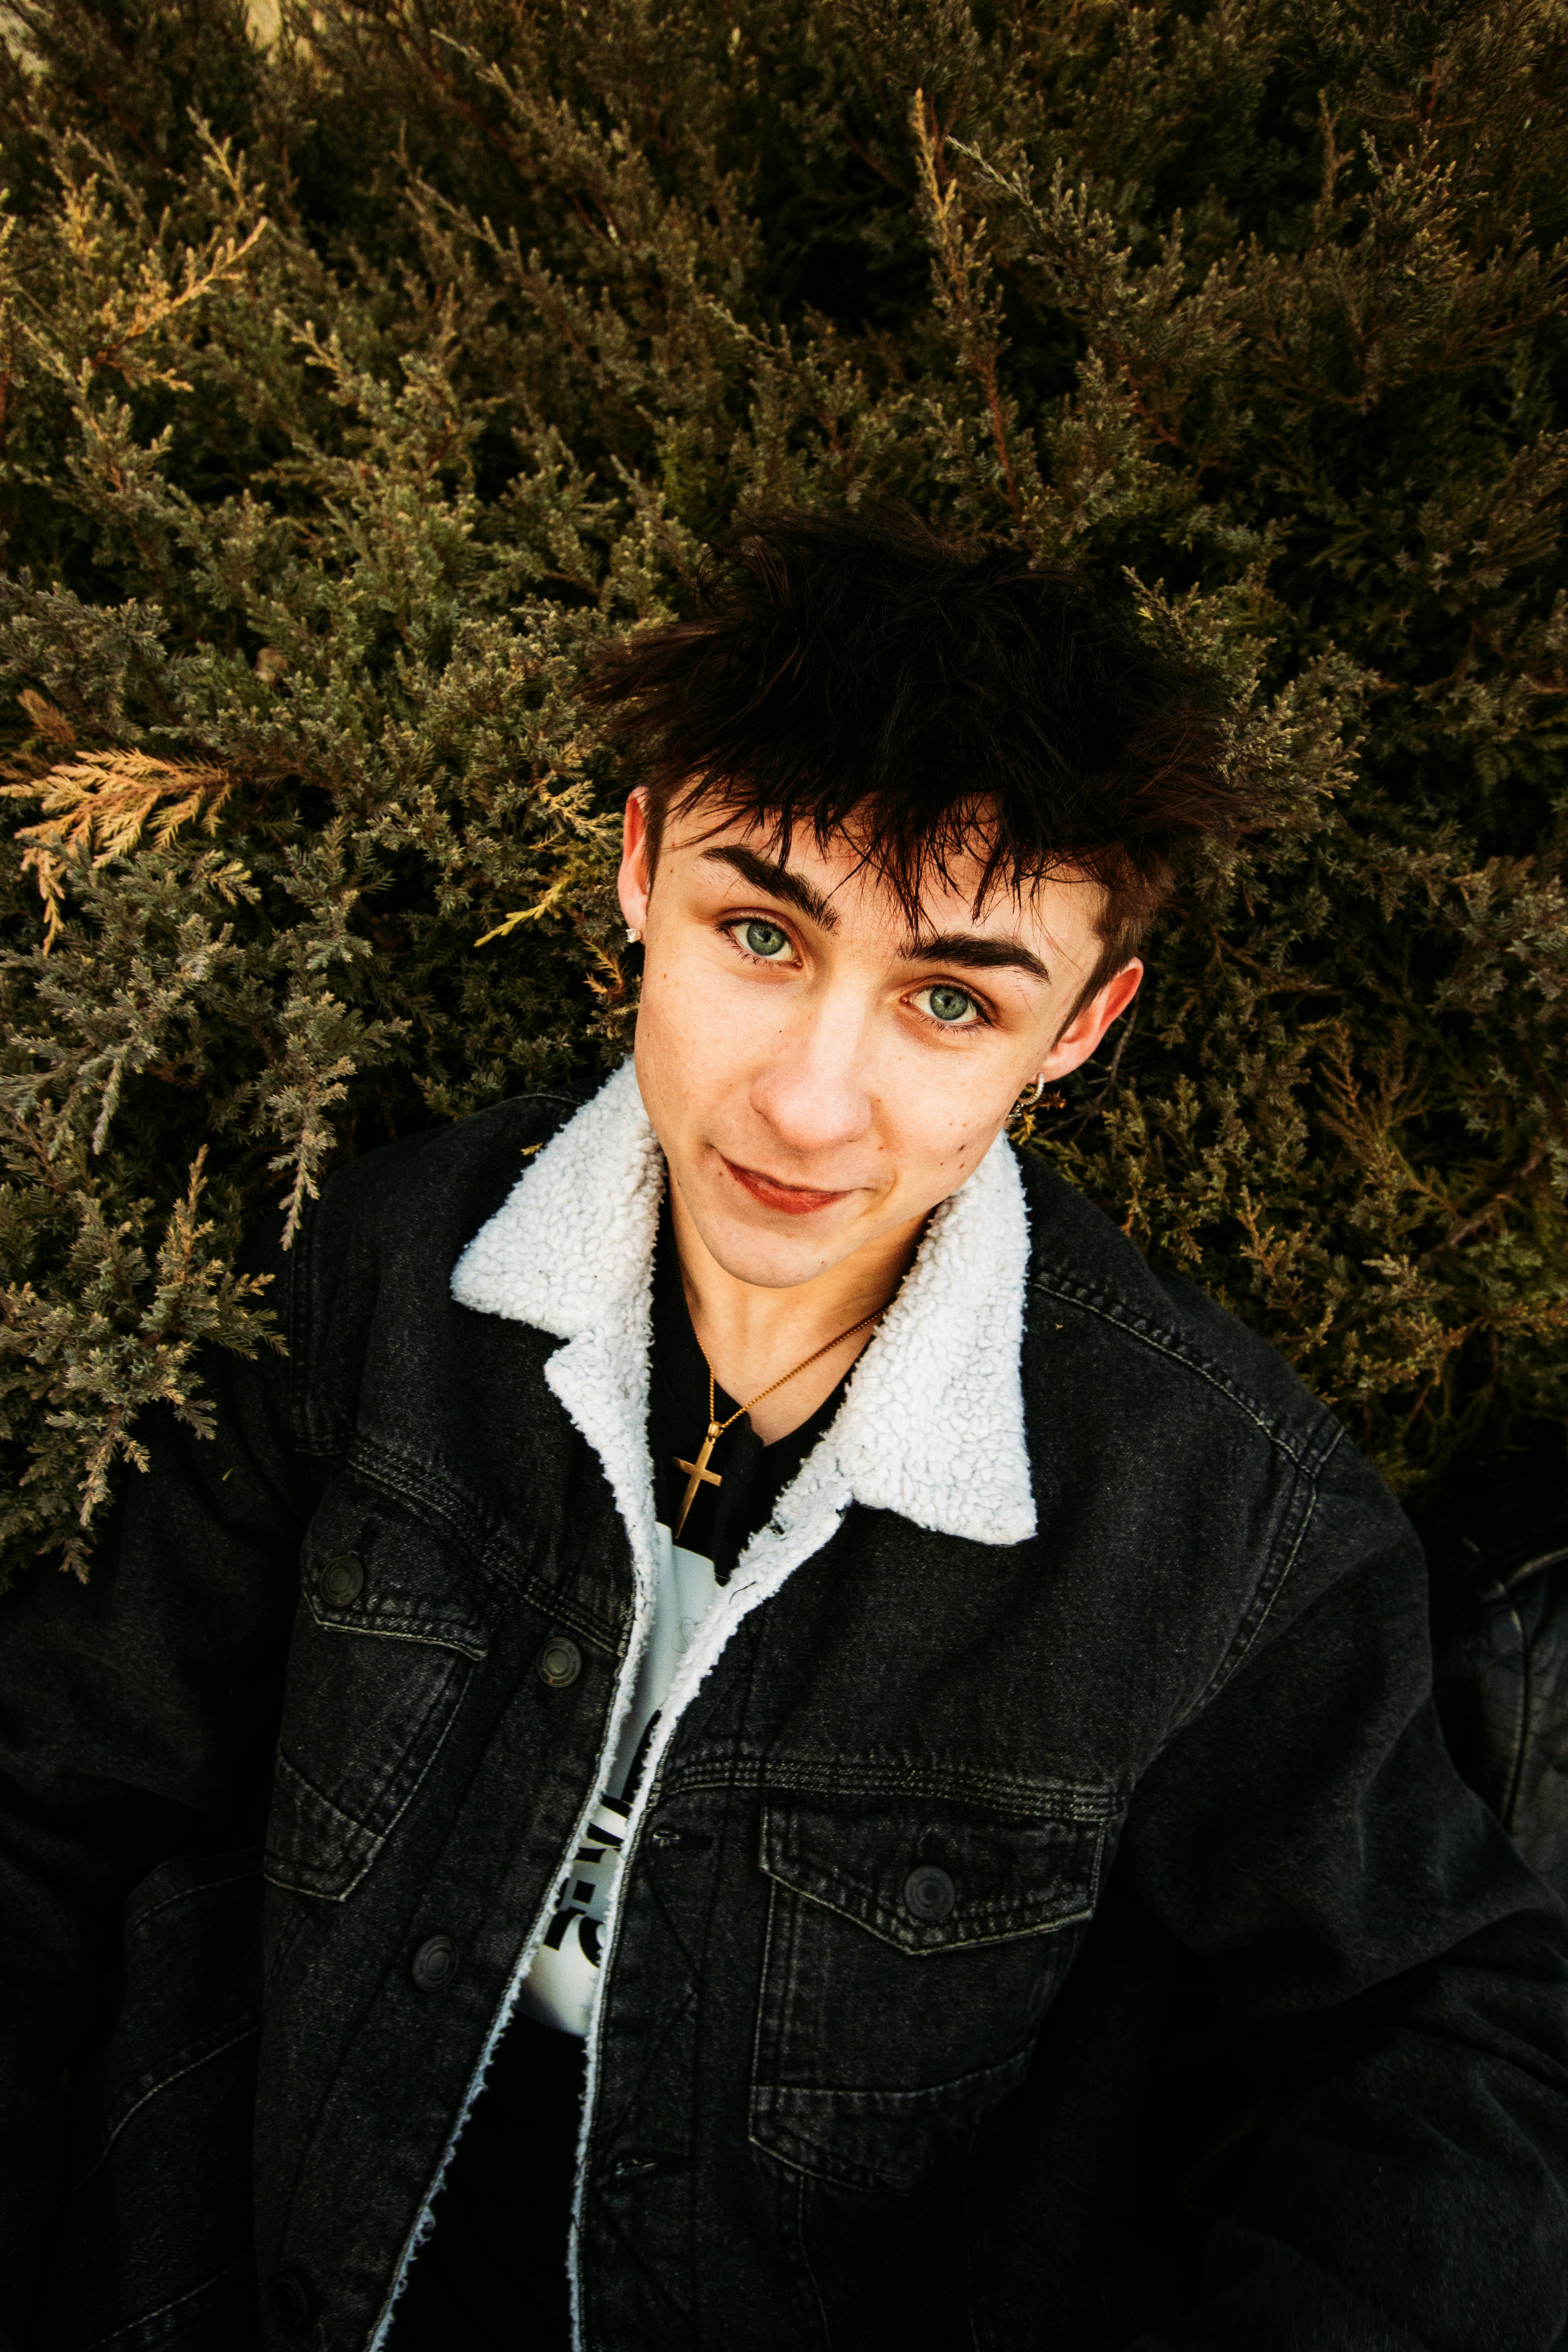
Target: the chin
pixel 753 1244
pixel 762 1254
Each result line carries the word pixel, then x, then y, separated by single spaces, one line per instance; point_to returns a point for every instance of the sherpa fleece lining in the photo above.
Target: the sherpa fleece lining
pixel 931 1426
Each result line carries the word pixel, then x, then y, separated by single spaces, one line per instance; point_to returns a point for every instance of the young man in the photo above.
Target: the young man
pixel 756 1632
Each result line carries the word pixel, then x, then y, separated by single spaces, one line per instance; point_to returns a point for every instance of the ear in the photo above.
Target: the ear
pixel 634 885
pixel 1089 1024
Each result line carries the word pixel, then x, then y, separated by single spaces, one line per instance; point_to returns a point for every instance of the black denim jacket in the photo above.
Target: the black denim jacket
pixel 902 1902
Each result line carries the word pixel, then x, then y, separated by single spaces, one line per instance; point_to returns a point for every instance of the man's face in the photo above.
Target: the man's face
pixel 818 1076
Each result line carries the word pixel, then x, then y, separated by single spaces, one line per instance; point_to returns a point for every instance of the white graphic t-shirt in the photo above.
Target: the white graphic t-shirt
pixel 559 1988
pixel 748 1480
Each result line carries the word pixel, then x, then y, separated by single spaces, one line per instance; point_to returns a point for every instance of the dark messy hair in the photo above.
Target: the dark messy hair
pixel 934 699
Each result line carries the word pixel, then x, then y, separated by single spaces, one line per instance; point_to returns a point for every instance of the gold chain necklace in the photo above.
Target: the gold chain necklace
pixel 698 1473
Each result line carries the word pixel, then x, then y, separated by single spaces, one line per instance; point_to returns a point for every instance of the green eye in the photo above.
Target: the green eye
pixel 764 939
pixel 953 1006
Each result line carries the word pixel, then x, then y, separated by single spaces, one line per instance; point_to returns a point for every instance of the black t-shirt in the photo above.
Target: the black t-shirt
pixel 491 2276
pixel 722 1518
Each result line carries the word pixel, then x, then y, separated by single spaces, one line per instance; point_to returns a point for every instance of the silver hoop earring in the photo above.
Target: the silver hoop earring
pixel 1031 1096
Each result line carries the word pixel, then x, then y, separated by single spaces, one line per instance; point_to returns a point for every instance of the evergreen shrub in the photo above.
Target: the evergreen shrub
pixel 359 374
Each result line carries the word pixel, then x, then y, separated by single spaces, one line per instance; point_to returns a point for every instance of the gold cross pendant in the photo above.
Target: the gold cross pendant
pixel 699 1474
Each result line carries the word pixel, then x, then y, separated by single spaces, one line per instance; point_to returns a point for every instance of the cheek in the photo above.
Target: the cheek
pixel 960 1095
pixel 664 1040
pixel 691 1049
pixel 939 1126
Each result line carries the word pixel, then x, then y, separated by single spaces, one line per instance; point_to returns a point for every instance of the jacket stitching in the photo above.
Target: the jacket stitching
pixel 286 1764
pixel 377 1838
pixel 191 2066
pixel 299 1886
pixel 997 1931
pixel 395 1474
pixel 1522 1721
pixel 135 1923
pixel 764 2025
pixel 421 1631
pixel 1098 1802
pixel 819 2163
pixel 1274 1573
pixel 803 2185
pixel 1079 1801
pixel 439 1691
pixel 133 2327
pixel 999 1917
pixel 392 1475
pixel 1167 1344
pixel 1308 1462
pixel 445 1510
pixel 1260 1608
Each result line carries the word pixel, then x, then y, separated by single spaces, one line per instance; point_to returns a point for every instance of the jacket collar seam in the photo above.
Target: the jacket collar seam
pixel 1165 1340
pixel 1251 1621
pixel 485 1544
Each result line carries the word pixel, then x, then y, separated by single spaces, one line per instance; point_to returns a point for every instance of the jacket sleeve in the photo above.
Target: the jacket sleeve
pixel 137 1718
pixel 1394 1972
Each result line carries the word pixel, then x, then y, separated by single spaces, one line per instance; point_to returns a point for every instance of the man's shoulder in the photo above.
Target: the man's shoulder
pixel 488 1148
pixel 415 1205
pixel 1155 1330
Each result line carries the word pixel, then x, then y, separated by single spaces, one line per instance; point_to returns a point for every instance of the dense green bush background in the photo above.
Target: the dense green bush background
pixel 353 386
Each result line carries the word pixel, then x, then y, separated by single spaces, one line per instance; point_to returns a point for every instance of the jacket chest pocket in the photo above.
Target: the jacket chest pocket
pixel 913 1948
pixel 393 1618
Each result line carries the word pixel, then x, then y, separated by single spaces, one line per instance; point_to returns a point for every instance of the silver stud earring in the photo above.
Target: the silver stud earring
pixel 635 937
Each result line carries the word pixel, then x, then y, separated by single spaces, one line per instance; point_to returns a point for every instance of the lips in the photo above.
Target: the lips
pixel 790 1199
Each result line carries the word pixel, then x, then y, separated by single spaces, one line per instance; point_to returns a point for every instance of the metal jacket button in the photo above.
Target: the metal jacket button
pixel 434 1964
pixel 342 1580
pixel 559 1662
pixel 930 1894
pixel 670 1834
pixel 293 2306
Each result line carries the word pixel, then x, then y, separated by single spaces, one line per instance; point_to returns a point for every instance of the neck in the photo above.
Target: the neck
pixel 752 1335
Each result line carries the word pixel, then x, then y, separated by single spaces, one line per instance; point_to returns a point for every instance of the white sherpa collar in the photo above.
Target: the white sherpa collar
pixel 931 1425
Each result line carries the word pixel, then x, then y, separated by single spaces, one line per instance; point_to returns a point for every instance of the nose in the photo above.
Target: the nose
pixel 815 1090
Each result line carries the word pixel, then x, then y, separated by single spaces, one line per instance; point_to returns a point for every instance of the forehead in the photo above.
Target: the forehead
pixel 1059 916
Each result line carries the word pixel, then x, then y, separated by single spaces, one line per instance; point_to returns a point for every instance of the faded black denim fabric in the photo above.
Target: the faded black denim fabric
pixel 1189 1723
pixel 1501 1627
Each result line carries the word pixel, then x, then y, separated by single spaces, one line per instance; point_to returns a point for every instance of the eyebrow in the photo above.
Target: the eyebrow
pixel 971 952
pixel 764 874
pixel 966 950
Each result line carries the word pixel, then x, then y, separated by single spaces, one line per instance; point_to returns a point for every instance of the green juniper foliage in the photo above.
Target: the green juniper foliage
pixel 357 381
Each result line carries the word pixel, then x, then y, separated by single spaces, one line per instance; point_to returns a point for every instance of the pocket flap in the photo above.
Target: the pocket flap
pixel 938 1874
pixel 366 1570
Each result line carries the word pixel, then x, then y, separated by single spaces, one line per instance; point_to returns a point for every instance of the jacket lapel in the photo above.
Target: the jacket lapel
pixel 931 1426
